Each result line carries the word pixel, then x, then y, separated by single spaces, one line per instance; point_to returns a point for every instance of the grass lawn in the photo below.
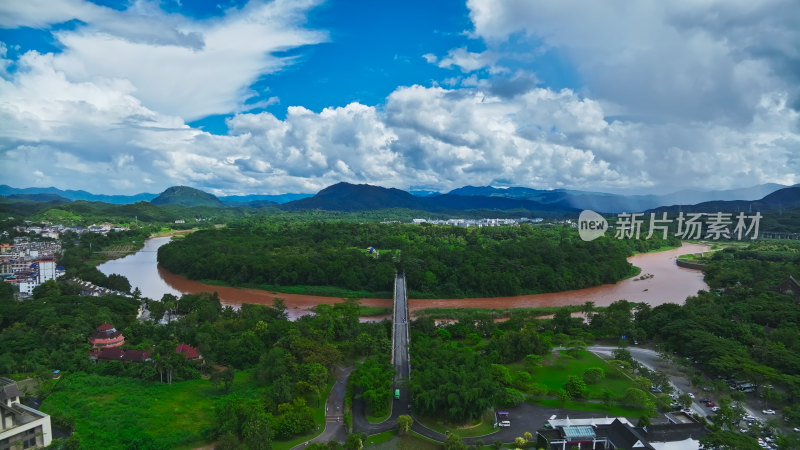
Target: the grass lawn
pixel 480 427
pixel 378 419
pixel 380 438
pixel 556 369
pixel 613 410
pixel 116 410
pixel 125 412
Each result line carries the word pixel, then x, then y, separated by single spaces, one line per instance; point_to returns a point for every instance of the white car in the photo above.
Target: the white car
pixel 768 411
pixel 505 423
pixel 691 395
pixel 715 409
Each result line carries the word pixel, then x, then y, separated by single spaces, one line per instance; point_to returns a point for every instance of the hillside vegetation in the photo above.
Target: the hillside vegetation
pixel 438 260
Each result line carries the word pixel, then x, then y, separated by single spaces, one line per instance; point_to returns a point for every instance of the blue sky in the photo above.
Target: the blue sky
pixel 239 97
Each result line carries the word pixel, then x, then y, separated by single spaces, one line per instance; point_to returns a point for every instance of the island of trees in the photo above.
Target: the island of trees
pixel 439 261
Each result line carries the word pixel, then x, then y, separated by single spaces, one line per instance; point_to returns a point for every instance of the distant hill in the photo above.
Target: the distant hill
pixel 356 197
pixel 363 197
pixel 616 203
pixel 186 196
pixel 79 195
pixel 263 200
pixel 782 199
pixel 51 198
pixel 423 193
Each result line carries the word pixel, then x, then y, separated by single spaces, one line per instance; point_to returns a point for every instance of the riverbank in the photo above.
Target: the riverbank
pixel 669 284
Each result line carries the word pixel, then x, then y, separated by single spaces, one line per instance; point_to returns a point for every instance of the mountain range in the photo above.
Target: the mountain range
pixel 363 197
pixel 72 195
pixel 616 203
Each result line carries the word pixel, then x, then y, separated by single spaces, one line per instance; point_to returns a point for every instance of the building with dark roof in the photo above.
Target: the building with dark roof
pixel 789 286
pixel 618 433
pixel 118 354
pixel 21 426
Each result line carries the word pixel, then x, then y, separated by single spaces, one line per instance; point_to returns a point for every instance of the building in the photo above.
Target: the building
pixel 189 352
pixel 118 354
pixel 21 426
pixel 106 336
pixel 617 433
pixel 47 270
pixel 789 286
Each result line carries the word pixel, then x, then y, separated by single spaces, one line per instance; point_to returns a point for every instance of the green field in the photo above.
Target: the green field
pixel 116 410
pixel 556 369
pixel 481 427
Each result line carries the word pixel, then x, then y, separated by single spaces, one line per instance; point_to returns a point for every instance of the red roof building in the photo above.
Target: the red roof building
pixel 106 337
pixel 188 352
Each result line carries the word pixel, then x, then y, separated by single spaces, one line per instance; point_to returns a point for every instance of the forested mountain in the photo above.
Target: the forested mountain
pixel 357 197
pixel 780 200
pixel 615 203
pixel 362 197
pixel 79 195
pixel 186 196
pixel 241 200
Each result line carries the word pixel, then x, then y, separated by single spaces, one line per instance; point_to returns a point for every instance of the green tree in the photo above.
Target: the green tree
pixel 684 400
pixel 404 423
pixel 728 440
pixel 6 293
pixel 593 375
pixel 575 387
pixel 454 442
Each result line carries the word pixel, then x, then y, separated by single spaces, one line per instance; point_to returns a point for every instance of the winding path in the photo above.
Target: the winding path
pixel 335 429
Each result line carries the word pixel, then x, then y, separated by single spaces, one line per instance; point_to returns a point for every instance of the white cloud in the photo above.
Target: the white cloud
pixel 465 60
pixel 191 69
pixel 109 113
pixel 672 61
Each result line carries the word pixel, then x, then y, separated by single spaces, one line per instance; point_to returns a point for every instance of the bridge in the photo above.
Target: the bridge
pixel 400 345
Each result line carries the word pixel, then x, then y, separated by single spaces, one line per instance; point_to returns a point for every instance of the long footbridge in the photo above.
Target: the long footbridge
pixel 400 346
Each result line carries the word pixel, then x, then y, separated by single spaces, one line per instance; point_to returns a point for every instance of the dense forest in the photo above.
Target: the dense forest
pixel 264 373
pixel 441 261
pixel 744 328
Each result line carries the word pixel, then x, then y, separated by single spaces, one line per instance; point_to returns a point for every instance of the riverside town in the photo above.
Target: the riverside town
pixel 416 225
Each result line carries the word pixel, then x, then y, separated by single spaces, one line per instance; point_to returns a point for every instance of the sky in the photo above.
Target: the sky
pixel 240 97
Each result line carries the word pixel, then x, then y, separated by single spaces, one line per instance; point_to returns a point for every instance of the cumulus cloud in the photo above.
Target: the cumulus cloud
pixel 109 113
pixel 706 61
pixel 191 69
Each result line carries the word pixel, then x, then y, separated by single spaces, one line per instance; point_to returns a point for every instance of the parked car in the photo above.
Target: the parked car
pixel 655 389
pixel 768 411
pixel 710 404
pixel 505 423
pixel 715 409
pixel 691 395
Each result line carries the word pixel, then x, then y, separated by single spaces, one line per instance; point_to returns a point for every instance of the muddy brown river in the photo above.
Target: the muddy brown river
pixel 668 284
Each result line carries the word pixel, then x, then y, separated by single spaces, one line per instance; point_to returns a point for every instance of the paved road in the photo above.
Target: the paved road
pixel 677 376
pixel 399 361
pixel 334 411
pixel 400 337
